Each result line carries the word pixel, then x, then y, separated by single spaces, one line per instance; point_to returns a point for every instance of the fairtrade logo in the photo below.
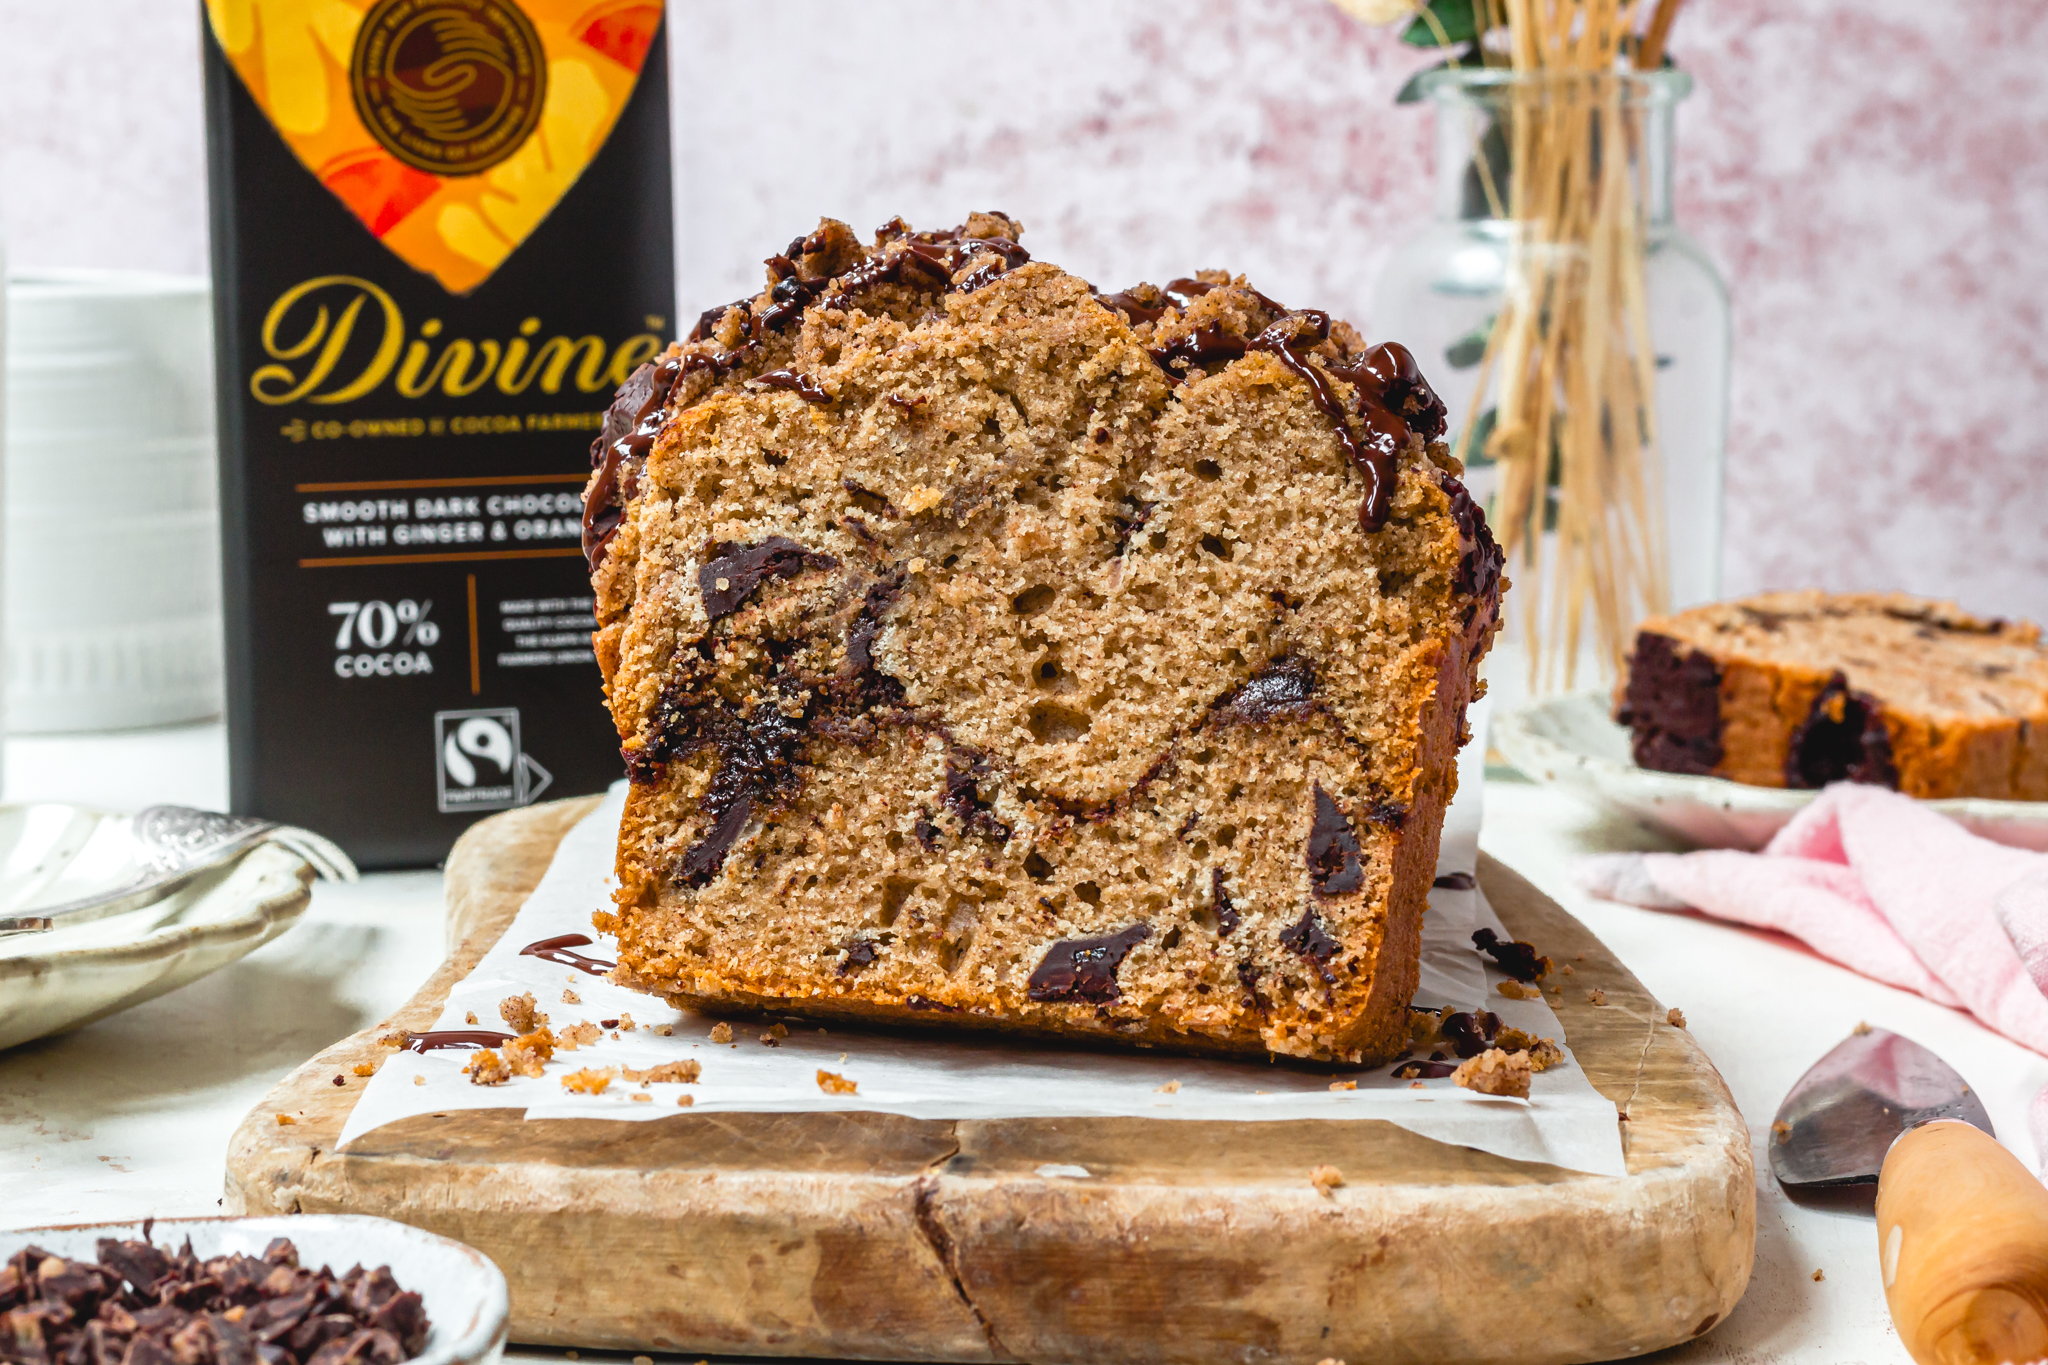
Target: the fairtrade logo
pixel 477 762
pixel 451 87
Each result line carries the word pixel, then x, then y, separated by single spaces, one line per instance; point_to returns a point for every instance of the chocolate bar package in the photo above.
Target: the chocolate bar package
pixel 441 240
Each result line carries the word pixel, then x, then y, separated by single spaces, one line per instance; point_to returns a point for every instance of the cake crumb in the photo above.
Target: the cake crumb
pixel 832 1083
pixel 364 1069
pixel 1325 1179
pixel 1818 1276
pixel 1343 1085
pixel 685 1071
pixel 570 997
pixel 521 1012
pixel 1417 1085
pixel 642 1097
pixel 664 1030
pixel 685 1101
pixel 1578 957
pixel 774 1034
pixel 1781 1131
pixel 1515 990
pixel 626 1024
pixel 285 1120
pixel 589 1081
pixel 419 1080
pixel 1675 1017
pixel 469 1018
pixel 1494 1072
pixel 643 1360
pixel 1596 996
pixel 577 1034
pixel 1329 1360
pixel 721 1032
pixel 1862 1028
pixel 527 1053
pixel 1170 1088
pixel 1569 970
pixel 486 1067
pixel 1545 1055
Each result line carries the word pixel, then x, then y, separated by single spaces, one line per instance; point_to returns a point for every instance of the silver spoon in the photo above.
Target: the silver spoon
pixel 175 844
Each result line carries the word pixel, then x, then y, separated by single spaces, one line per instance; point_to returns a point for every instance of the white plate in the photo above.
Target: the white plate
pixel 1572 743
pixel 462 1291
pixel 68 977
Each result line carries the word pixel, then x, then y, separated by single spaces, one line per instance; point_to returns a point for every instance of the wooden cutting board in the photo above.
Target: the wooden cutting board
pixel 874 1236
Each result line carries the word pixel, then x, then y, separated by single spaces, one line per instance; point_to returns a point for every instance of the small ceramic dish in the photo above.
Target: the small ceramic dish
pixel 73 975
pixel 1572 743
pixel 462 1290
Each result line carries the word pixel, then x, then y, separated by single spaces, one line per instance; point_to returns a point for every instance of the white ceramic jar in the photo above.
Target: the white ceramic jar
pixel 112 578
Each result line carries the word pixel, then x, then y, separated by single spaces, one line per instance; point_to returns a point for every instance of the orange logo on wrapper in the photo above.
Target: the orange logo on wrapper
pixel 448 86
pixel 449 128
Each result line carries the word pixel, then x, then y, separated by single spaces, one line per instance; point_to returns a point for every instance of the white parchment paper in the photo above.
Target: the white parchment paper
pixel 1564 1122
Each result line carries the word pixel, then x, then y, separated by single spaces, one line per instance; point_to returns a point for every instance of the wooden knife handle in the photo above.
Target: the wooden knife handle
pixel 1962 1242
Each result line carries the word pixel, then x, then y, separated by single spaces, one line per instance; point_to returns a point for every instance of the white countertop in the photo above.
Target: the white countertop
pixel 131 1116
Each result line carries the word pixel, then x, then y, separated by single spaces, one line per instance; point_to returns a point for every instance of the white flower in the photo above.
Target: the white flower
pixel 1378 11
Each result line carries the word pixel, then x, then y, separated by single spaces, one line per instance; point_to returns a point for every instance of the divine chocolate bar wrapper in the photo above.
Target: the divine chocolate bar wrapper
pixel 441 239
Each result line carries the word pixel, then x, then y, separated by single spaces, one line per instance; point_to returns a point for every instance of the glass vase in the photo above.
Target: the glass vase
pixel 1443 290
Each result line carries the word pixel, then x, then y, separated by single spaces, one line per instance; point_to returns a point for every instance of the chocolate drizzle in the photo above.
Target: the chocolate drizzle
pixel 1393 399
pixel 1480 557
pixel 556 950
pixel 460 1038
pixel 1335 859
pixel 1455 881
pixel 927 262
pixel 796 381
pixel 621 447
pixel 1227 918
pixel 730 572
pixel 1085 968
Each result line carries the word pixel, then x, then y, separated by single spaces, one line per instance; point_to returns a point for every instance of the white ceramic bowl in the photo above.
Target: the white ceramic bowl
pixel 67 977
pixel 462 1289
pixel 1572 743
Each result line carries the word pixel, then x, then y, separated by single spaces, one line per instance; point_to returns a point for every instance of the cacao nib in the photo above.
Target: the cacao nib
pixel 141 1305
pixel 1518 959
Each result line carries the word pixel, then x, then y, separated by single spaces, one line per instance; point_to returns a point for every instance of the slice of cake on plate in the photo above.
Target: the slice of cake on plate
pixel 987 652
pixel 1800 689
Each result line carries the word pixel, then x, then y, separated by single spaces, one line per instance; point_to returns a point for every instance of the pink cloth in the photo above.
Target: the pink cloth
pixel 1883 885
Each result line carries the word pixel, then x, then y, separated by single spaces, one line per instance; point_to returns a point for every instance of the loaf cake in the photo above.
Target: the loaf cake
pixel 988 652
pixel 1800 689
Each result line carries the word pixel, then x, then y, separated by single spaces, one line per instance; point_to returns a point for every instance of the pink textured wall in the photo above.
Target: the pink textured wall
pixel 1869 174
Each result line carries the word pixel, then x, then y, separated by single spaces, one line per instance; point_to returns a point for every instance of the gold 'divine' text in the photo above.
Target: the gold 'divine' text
pixel 461 367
